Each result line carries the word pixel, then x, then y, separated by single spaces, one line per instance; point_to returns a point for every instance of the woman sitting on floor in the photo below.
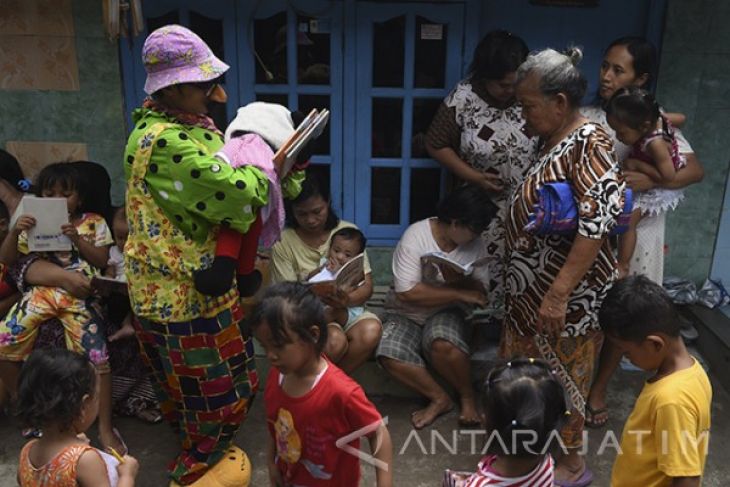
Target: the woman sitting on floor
pixel 426 309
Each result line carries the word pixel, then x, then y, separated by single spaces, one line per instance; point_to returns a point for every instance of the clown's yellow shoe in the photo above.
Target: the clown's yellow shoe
pixel 234 470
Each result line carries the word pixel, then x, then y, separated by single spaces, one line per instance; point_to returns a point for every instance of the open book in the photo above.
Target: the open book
pixel 449 267
pixel 105 286
pixel 349 277
pixel 310 128
pixel 49 214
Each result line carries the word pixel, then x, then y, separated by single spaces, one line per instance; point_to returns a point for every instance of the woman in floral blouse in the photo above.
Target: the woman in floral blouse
pixel 178 194
pixel 478 135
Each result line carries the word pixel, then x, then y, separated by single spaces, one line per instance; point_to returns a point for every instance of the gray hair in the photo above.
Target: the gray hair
pixel 558 73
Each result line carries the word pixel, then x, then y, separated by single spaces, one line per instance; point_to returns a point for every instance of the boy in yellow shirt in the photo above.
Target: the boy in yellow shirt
pixel 665 439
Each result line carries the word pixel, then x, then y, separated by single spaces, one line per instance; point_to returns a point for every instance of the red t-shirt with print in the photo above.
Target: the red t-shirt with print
pixel 306 428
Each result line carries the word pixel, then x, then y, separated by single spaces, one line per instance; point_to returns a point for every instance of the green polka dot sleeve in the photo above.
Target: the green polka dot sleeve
pixel 196 190
pixel 291 186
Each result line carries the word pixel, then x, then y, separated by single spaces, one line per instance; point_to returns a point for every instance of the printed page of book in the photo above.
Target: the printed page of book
pixel 440 259
pixel 310 128
pixel 50 214
pixel 352 274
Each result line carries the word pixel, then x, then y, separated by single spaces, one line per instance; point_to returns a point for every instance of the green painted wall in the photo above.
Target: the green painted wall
pixel 694 78
pixel 93 115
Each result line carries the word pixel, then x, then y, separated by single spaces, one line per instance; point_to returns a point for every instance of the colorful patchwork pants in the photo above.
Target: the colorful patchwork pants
pixel 205 378
pixel 82 321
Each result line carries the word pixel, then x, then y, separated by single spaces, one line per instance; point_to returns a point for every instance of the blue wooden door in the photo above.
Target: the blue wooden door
pixel 291 54
pixel 408 56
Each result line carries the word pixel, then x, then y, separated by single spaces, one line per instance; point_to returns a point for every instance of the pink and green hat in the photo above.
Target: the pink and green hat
pixel 174 54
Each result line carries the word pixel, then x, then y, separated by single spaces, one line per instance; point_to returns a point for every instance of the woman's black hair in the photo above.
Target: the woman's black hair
pixel 497 54
pixel 11 172
pixel 643 54
pixel 4 213
pixel 351 233
pixel 293 306
pixel 311 189
pixel 524 405
pixel 468 206
pixel 51 388
pixel 634 107
pixel 98 185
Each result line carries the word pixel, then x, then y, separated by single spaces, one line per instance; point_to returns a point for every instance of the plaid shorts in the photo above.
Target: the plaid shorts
pixel 406 341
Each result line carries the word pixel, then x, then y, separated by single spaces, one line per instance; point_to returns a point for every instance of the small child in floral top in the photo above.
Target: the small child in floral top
pixel 59 392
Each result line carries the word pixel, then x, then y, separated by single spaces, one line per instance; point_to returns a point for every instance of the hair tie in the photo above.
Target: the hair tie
pixel 24 185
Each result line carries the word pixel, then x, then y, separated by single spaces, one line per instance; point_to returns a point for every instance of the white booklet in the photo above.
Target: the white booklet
pixel 49 214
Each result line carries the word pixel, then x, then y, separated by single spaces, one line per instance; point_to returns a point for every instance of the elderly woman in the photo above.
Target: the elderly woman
pixel 478 135
pixel 179 190
pixel 632 61
pixel 555 284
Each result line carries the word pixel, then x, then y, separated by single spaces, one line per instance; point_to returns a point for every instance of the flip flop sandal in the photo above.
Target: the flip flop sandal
pixel 592 413
pixel 585 479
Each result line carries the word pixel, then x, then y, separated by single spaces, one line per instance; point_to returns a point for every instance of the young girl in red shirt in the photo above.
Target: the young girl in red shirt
pixel 311 405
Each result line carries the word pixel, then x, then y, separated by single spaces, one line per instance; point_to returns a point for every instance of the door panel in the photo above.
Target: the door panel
pixel 297 62
pixel 408 58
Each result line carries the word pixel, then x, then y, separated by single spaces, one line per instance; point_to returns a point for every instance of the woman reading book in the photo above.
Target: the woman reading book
pixel 427 306
pixel 311 225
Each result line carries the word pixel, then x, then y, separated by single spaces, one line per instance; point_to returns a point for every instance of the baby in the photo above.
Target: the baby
pixel 345 244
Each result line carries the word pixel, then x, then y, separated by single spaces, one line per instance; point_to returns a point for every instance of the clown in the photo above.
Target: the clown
pixel 179 193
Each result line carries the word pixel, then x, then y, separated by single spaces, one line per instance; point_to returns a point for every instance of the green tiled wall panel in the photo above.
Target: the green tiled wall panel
pixel 93 115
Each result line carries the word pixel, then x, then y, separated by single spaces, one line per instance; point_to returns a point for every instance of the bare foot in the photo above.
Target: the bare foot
pixel 424 417
pixel 469 415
